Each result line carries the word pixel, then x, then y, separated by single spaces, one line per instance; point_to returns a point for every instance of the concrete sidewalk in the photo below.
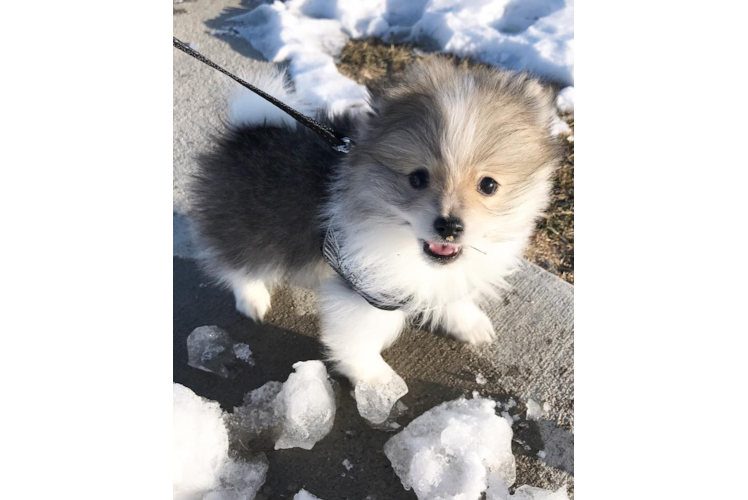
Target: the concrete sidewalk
pixel 532 358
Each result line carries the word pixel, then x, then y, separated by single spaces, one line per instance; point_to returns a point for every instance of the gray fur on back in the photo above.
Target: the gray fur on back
pixel 257 195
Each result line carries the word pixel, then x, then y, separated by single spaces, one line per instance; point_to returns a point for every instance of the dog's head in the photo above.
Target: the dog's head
pixel 462 156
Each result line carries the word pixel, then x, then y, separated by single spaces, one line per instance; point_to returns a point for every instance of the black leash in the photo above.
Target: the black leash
pixel 339 142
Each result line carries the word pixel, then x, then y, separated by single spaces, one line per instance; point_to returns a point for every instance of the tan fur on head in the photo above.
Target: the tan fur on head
pixel 460 125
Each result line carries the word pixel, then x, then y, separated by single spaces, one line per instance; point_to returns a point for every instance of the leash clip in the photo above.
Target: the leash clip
pixel 345 147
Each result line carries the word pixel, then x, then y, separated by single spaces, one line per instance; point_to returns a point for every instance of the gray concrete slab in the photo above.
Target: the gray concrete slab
pixel 200 91
pixel 532 358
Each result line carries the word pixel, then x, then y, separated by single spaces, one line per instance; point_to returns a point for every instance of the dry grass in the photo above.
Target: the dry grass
pixel 552 245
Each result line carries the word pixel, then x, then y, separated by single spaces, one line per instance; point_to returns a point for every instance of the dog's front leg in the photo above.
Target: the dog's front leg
pixel 465 321
pixel 355 332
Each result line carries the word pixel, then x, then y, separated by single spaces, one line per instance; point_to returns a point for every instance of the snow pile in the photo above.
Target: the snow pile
pixel 201 442
pixel 211 349
pixel 305 495
pixel 459 450
pixel 534 35
pixel 202 468
pixel 296 414
pixel 565 100
pixel 375 402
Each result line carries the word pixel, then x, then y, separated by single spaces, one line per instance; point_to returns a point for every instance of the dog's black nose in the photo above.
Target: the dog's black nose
pixel 449 226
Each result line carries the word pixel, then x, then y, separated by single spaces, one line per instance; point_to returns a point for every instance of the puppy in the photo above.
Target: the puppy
pixel 421 221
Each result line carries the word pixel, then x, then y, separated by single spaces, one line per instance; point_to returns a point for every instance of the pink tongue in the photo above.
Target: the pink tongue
pixel 440 249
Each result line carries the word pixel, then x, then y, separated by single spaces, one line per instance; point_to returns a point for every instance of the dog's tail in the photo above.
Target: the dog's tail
pixel 247 108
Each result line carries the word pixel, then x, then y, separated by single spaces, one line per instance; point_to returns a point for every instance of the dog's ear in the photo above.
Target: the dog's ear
pixel 540 98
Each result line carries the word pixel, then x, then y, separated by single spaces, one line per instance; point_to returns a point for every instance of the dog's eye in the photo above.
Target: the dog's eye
pixel 419 179
pixel 488 186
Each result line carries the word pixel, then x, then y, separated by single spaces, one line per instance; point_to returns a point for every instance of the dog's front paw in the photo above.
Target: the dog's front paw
pixel 253 301
pixel 472 326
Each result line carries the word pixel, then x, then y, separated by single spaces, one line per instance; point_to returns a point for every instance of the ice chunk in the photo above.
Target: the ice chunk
pixel 531 493
pixel 375 402
pixel 452 449
pixel 347 464
pixel 305 495
pixel 256 418
pixel 399 409
pixel 534 410
pixel 200 440
pixel 209 348
pixel 306 404
pixel 244 353
pixel 480 379
pixel 296 414
pixel 240 480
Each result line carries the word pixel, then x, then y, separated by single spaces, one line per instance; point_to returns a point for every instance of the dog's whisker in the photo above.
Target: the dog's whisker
pixel 478 249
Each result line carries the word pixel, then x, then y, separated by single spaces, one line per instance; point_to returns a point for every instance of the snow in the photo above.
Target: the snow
pixel 480 379
pixel 458 451
pixel 375 402
pixel 534 35
pixel 296 414
pixel 305 495
pixel 347 464
pixel 202 468
pixel 201 442
pixel 565 100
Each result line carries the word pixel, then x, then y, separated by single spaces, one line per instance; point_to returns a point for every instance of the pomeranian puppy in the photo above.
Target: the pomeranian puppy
pixel 420 222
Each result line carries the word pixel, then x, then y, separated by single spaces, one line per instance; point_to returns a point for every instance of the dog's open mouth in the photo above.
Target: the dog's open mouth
pixel 442 252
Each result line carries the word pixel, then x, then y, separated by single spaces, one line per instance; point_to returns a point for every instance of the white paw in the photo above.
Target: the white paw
pixel 371 370
pixel 473 328
pixel 253 301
